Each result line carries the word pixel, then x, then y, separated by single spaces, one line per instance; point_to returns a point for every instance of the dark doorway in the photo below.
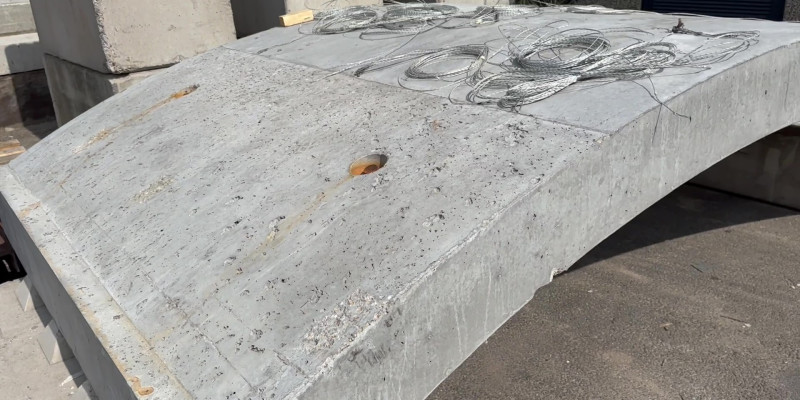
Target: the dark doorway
pixel 762 9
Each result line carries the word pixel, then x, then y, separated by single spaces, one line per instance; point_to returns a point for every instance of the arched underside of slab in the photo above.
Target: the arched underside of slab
pixel 200 236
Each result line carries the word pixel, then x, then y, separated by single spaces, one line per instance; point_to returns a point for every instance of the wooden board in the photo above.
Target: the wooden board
pixel 297 18
pixel 9 150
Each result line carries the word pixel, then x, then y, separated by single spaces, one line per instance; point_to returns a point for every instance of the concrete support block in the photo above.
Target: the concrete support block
pixel 16 17
pixel 767 170
pixel 20 53
pixel 27 295
pixel 75 89
pixel 124 36
pixel 252 16
pixel 53 345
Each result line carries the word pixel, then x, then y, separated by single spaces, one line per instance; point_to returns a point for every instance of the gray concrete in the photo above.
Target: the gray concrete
pixel 199 235
pixel 768 170
pixel 75 89
pixel 120 36
pixel 20 53
pixel 16 18
pixel 696 298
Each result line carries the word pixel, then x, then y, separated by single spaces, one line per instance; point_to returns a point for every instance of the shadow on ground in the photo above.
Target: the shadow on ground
pixel 697 298
pixel 687 211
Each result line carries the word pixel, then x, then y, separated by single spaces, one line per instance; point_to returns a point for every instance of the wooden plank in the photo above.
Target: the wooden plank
pixel 297 18
pixel 9 150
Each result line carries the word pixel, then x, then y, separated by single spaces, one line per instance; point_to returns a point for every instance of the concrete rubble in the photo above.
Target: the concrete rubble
pixel 200 236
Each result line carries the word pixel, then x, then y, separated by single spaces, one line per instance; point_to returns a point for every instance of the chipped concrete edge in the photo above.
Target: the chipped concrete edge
pixel 116 359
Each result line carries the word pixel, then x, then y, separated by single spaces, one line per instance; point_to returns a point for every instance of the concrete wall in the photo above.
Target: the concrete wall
pixel 75 89
pixel 121 36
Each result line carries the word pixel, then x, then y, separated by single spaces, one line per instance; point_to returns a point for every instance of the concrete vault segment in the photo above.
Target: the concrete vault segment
pixel 200 236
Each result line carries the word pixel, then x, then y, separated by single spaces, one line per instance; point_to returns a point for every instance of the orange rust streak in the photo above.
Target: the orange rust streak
pixel 136 385
pixel 105 133
pixel 363 169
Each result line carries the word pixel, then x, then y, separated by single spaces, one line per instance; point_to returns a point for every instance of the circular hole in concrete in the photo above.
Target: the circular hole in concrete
pixel 368 164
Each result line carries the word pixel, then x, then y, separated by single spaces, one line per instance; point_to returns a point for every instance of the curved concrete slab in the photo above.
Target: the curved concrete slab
pixel 200 236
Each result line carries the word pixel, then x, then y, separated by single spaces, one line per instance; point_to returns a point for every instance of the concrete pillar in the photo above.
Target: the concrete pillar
pixel 94 47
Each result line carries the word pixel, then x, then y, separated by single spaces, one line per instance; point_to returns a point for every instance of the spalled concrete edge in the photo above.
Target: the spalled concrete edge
pixel 116 360
pixel 547 230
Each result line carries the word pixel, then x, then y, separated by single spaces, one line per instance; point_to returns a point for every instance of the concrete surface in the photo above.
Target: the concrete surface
pixel 253 16
pixel 120 36
pixel 206 217
pixel 20 53
pixel 75 89
pixel 697 298
pixel 26 374
pixel 767 170
pixel 25 100
pixel 16 18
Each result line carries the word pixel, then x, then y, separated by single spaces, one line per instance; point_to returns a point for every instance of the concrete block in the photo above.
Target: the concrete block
pixel 25 99
pixel 113 36
pixel 767 170
pixel 20 53
pixel 27 296
pixel 75 89
pixel 206 230
pixel 53 345
pixel 16 18
pixel 252 16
